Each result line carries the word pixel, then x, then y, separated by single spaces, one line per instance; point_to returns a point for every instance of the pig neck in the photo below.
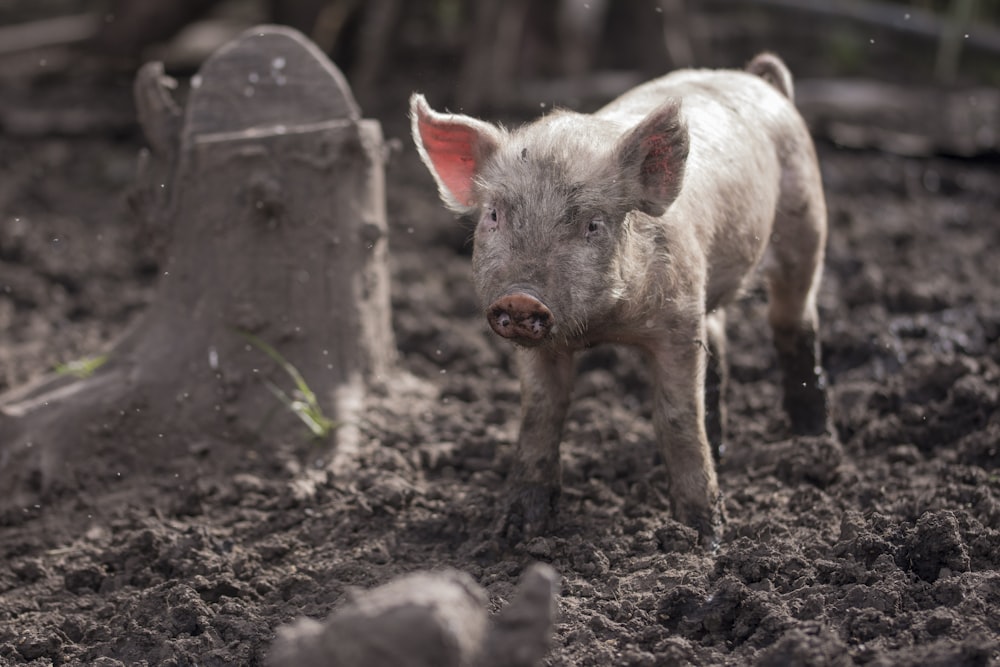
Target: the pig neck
pixel 657 277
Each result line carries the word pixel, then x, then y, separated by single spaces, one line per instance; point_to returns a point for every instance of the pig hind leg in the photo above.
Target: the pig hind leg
pixel 799 237
pixel 716 379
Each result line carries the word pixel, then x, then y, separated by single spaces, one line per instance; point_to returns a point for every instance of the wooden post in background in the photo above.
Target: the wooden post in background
pixel 269 192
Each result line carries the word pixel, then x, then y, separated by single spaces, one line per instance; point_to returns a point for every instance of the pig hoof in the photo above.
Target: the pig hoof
pixel 709 532
pixel 530 507
pixel 809 417
pixel 707 521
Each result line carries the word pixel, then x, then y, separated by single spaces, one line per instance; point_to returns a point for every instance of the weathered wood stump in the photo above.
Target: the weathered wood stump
pixel 427 619
pixel 270 189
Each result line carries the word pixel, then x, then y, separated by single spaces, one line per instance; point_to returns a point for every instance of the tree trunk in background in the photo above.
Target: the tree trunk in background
pixel 270 188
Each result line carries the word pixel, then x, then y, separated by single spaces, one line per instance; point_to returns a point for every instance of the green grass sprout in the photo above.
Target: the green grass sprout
pixel 81 368
pixel 302 401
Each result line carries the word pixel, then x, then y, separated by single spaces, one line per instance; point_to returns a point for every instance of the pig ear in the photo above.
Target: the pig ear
pixel 653 155
pixel 454 148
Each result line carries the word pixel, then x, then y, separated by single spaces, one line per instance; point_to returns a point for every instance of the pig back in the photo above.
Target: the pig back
pixel 742 94
pixel 742 132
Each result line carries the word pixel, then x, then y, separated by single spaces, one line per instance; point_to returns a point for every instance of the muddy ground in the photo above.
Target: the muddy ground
pixel 884 550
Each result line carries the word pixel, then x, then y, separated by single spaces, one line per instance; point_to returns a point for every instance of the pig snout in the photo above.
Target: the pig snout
pixel 520 317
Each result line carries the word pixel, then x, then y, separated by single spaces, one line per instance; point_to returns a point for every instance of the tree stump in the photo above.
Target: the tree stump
pixel 270 189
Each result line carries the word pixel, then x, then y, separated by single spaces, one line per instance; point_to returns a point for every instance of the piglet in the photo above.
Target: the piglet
pixel 637 225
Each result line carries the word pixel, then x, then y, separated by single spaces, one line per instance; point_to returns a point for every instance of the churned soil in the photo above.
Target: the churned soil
pixel 879 548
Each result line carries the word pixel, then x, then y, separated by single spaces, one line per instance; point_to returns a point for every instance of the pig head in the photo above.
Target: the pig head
pixel 637 225
pixel 552 202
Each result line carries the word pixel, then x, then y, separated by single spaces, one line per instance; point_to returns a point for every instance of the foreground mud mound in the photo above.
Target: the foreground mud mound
pixel 882 548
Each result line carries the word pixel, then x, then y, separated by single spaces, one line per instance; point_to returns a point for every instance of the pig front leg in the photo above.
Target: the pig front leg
pixel 535 477
pixel 679 420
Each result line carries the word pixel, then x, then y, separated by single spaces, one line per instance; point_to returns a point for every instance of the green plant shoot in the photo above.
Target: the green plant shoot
pixel 303 401
pixel 82 368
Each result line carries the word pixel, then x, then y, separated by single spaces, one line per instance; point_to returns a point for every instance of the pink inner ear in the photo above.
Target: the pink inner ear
pixel 452 149
pixel 657 171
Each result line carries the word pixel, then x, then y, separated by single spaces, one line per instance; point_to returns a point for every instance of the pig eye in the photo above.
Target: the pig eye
pixel 490 220
pixel 594 227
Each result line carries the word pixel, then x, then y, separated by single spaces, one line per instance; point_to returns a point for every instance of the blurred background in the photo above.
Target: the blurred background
pixel 479 55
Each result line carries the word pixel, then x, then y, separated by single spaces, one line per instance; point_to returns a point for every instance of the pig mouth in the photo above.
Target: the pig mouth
pixel 520 317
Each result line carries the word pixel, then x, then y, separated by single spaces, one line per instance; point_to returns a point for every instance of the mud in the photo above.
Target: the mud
pixel 882 548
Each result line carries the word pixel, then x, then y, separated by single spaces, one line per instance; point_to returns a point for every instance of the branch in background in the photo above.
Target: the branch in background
pixel 60 31
pixel 950 44
pixel 903 19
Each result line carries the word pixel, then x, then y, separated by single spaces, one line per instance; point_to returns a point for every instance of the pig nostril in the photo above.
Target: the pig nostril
pixel 520 316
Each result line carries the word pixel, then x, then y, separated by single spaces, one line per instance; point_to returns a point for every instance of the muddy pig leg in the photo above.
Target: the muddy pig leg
pixel 716 379
pixel 535 477
pixel 679 420
pixel 798 244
